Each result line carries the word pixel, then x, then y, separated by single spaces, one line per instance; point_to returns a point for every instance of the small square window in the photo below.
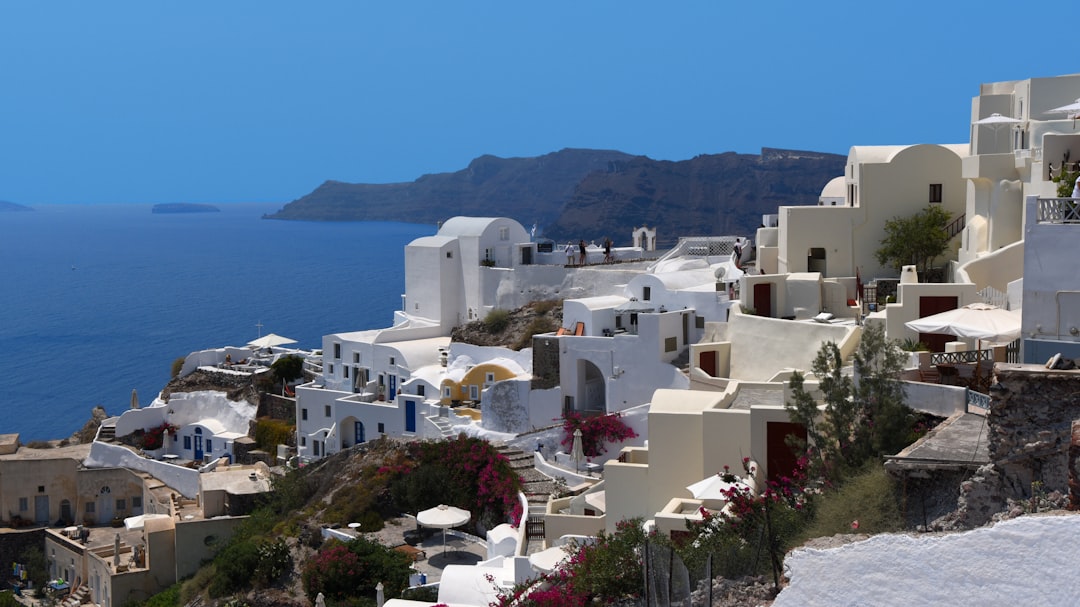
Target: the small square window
pixel 303 414
pixel 136 502
pixel 646 293
pixel 89 507
pixel 356 357
pixel 382 428
pixel 446 392
pixel 337 350
pixel 187 442
pixel 121 504
pixel 449 254
pixel 420 389
pixel 391 360
pixel 326 410
pixel 303 441
pixel 41 488
pixel 699 322
pixel 935 192
pixel 331 367
pixel 671 344
pixel 345 370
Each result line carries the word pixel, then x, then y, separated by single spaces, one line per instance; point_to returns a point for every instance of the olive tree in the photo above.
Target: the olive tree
pixel 915 240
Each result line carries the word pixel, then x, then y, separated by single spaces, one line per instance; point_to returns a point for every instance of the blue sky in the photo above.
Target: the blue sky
pixel 264 100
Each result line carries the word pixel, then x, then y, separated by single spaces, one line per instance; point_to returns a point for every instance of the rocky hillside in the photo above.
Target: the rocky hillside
pixel 511 329
pixel 591 194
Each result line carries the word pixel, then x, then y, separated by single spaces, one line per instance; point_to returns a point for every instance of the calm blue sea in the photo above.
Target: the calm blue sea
pixel 100 299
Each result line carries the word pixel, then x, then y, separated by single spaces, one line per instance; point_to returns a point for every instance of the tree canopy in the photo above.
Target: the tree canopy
pixel 865 416
pixel 915 240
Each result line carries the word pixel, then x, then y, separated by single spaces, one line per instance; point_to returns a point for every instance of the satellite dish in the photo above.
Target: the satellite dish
pixel 719 273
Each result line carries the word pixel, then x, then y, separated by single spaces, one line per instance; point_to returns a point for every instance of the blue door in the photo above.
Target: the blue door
pixel 410 416
pixel 198 445
pixel 393 387
pixel 358 428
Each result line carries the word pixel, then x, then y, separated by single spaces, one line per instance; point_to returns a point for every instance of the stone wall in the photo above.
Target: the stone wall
pixel 13 544
pixel 276 406
pixel 1029 427
pixel 545 363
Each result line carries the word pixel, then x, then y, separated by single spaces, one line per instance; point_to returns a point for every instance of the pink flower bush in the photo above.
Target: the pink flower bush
pixel 595 432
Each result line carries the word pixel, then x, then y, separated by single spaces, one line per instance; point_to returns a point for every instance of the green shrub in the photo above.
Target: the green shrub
pixel 288 368
pixel 177 366
pixel 426 594
pixel 1065 183
pixel 170 597
pixel 269 433
pixel 497 321
pixel 247 564
pixel 869 497
pixel 536 327
pixel 544 306
pixel 913 345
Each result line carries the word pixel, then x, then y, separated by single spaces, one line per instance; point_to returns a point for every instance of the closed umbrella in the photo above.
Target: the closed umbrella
pixel 576 452
pixel 134 399
pixel 443 517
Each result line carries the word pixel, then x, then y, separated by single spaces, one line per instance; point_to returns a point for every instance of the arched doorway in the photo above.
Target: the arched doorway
pixel 592 395
pixel 352 432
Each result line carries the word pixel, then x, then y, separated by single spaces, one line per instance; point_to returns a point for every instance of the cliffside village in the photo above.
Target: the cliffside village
pixel 694 346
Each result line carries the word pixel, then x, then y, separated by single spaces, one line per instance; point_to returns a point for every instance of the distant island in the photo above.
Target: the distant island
pixel 184 207
pixel 6 206
pixel 587 194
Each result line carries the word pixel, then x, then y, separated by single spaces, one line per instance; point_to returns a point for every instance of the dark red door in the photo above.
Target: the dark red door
pixel 781 458
pixel 763 299
pixel 928 306
pixel 707 362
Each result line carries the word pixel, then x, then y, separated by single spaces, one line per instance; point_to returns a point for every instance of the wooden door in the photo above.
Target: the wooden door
pixel 781 460
pixel 763 299
pixel 928 306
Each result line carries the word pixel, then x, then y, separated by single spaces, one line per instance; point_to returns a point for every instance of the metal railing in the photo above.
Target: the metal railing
pixel 977 400
pixel 1058 210
pixel 956 226
pixel 966 357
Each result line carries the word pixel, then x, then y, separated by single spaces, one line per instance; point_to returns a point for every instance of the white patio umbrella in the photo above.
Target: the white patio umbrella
pixel 270 340
pixel 576 452
pixel 995 121
pixel 983 322
pixel 978 321
pixel 713 487
pixel 443 517
pixel 1071 108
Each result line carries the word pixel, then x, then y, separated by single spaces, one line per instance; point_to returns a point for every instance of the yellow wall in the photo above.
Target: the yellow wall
pixel 459 390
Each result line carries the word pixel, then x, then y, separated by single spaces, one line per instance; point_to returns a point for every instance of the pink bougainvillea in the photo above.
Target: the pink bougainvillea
pixel 596 432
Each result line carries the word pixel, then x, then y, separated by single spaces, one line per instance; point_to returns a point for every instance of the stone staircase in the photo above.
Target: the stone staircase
pixel 536 485
pixel 443 424
pixel 107 433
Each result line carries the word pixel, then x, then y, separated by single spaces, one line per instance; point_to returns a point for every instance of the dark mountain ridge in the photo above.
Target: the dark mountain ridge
pixel 575 193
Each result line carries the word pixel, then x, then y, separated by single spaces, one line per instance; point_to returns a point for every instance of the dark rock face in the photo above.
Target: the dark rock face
pixel 591 194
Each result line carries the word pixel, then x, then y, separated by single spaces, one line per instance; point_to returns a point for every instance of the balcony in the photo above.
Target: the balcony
pixel 1058 210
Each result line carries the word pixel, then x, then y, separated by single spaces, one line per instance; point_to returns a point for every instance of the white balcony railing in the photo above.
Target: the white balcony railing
pixel 1058 210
